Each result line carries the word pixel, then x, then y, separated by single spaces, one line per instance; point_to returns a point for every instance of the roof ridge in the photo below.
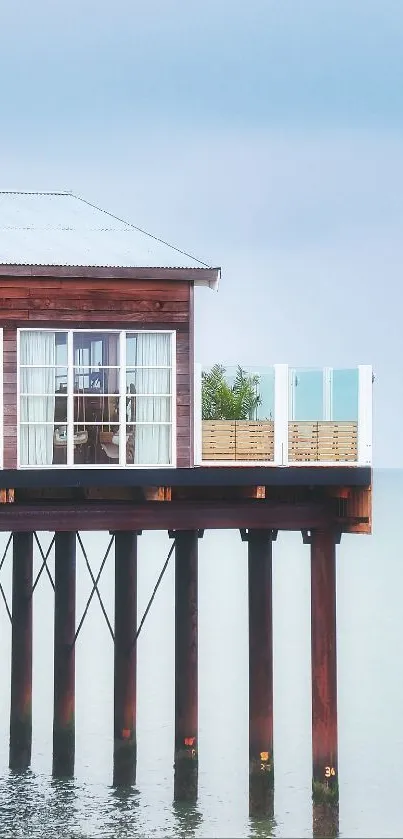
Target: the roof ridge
pixel 36 192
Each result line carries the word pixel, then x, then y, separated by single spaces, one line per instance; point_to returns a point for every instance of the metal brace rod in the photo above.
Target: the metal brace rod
pixel 95 581
pixel 1 587
pixel 44 563
pixel 164 568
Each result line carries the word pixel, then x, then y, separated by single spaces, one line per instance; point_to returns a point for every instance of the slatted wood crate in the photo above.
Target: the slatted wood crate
pixel 238 440
pixel 218 440
pixel 322 441
pixel 254 440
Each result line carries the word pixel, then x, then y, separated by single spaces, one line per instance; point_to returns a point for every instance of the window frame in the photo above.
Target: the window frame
pixel 122 371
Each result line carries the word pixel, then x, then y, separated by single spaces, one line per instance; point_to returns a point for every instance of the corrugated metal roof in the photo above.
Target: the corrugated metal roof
pixel 60 228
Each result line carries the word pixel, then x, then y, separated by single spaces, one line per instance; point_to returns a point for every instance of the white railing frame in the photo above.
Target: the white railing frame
pixel 364 415
pixel 281 414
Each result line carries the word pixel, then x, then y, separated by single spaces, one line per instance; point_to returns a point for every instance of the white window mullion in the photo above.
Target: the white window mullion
pixel 122 399
pixel 70 399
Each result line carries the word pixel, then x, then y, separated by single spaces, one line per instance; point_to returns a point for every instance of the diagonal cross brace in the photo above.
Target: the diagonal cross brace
pixel 44 563
pixel 95 590
pixel 1 587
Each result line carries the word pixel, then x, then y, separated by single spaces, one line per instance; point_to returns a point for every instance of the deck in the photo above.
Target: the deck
pixel 294 416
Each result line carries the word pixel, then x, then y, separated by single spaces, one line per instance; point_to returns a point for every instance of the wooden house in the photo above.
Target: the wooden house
pixel 97 328
pixel 101 420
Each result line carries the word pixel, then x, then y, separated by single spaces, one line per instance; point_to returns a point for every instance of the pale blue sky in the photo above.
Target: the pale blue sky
pixel 265 137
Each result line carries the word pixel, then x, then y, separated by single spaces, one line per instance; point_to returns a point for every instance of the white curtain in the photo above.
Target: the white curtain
pixel 38 406
pixel 152 443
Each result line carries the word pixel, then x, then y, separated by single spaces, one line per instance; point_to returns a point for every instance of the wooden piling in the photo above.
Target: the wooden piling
pixel 64 655
pixel 325 789
pixel 261 765
pixel 21 653
pixel 325 821
pixel 125 745
pixel 186 666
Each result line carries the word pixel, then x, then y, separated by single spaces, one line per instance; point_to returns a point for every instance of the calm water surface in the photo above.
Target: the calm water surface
pixel 370 661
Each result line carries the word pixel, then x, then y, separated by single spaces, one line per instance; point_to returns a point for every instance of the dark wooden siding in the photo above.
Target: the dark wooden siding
pixel 107 302
pixel 75 303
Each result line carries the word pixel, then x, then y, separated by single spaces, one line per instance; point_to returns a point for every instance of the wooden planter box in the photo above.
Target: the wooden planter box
pixel 238 440
pixel 247 440
pixel 322 441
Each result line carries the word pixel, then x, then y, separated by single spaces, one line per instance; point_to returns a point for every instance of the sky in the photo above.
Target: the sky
pixel 265 138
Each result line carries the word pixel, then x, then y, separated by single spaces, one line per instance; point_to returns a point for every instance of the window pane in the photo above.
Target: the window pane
pixel 148 381
pixel 92 408
pixel 97 349
pixel 43 409
pixel 149 409
pixel 345 395
pixel 96 379
pixel 96 444
pixel 60 444
pixel 42 348
pixel 61 348
pixel 42 445
pixel 146 348
pixel 149 444
pixel 43 380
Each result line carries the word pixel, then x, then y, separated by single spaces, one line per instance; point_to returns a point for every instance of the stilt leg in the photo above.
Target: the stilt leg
pixel 21 653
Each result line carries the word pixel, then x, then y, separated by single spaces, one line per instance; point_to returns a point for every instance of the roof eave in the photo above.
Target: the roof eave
pixel 200 276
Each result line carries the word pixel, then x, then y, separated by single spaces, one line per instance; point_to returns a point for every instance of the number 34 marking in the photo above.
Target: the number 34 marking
pixel 329 771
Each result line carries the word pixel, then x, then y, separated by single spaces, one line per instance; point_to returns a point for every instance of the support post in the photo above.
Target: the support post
pixel 64 655
pixel 125 745
pixel 325 789
pixel 21 653
pixel 261 766
pixel 186 664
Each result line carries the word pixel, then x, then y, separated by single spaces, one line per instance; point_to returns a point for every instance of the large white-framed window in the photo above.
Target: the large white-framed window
pixel 96 398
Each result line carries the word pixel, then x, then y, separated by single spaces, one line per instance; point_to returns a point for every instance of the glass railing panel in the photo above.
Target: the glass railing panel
pixel 238 413
pixel 323 415
pixel 224 403
pixel 306 394
pixel 344 389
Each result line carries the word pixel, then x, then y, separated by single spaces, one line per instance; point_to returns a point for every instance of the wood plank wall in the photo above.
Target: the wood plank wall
pixel 98 303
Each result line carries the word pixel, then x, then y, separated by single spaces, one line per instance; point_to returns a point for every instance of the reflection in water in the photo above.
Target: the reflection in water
pixel 31 807
pixel 187 819
pixel 122 813
pixel 325 821
pixel 262 827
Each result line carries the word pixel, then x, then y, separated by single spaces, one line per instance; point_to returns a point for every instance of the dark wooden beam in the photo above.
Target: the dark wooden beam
pixel 261 761
pixel 324 667
pixel 125 745
pixel 157 493
pixel 201 476
pixel 175 515
pixel 64 655
pixel 186 664
pixel 21 653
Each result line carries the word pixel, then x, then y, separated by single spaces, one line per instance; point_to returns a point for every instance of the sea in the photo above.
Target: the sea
pixel 370 693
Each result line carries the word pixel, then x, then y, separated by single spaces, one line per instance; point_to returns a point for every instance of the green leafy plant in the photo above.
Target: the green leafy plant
pixel 222 401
